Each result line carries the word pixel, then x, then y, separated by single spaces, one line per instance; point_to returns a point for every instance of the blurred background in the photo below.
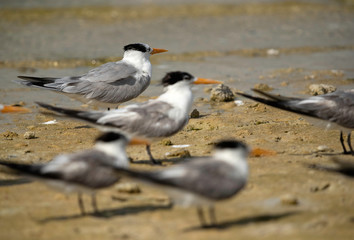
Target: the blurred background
pixel 284 44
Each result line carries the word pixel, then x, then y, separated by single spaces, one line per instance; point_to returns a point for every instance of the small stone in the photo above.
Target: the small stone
pixel 319 89
pixel 166 142
pixel 324 148
pixel 284 84
pixel 289 200
pixel 195 114
pixel 221 93
pixel 29 135
pixel 9 135
pixel 128 187
pixel 262 87
pixel 180 153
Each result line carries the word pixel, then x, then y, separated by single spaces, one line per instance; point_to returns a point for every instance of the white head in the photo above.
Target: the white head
pixel 114 144
pixel 233 152
pixel 141 50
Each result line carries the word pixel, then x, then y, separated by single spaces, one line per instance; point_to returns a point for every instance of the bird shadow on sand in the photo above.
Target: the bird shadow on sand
pixel 344 170
pixel 161 161
pixel 109 213
pixel 13 182
pixel 243 221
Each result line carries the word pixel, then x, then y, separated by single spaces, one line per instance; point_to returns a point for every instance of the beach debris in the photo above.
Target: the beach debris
pixel 128 187
pixel 221 93
pixel 259 152
pixel 263 87
pixel 319 89
pixel 8 135
pixel 51 122
pixel 166 142
pixel 181 146
pixel 239 102
pixel 183 153
pixel 289 199
pixel 324 148
pixel 29 135
pixel 273 52
pixel 195 113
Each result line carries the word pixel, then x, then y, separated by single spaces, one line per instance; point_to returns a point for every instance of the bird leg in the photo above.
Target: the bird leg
pixel 350 143
pixel 81 203
pixel 342 142
pixel 94 203
pixel 201 217
pixel 152 159
pixel 212 216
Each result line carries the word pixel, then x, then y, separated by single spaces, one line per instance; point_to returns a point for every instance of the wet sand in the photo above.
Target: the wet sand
pixel 288 195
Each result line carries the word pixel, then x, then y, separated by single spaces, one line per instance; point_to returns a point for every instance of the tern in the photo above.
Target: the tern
pixel 336 108
pixel 154 119
pixel 81 172
pixel 203 181
pixel 107 85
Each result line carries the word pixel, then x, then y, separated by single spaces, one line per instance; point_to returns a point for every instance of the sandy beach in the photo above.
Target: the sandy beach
pixel 285 45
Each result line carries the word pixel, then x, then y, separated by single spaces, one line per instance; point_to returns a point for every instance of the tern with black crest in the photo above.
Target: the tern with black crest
pixel 203 181
pixel 336 108
pixel 81 172
pixel 154 119
pixel 107 85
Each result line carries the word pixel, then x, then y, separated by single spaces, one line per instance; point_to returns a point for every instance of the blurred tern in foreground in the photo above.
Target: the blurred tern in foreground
pixel 109 84
pixel 81 172
pixel 203 181
pixel 336 108
pixel 13 109
pixel 154 119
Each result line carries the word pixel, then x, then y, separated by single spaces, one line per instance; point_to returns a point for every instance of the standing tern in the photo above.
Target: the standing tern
pixel 109 84
pixel 336 108
pixel 154 119
pixel 203 181
pixel 81 172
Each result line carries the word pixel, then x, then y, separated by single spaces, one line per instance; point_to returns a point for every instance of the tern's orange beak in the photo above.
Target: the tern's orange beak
pixel 139 141
pixel 13 109
pixel 158 50
pixel 206 81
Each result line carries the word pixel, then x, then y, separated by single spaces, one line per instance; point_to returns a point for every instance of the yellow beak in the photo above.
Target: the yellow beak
pixel 139 141
pixel 206 81
pixel 13 109
pixel 158 50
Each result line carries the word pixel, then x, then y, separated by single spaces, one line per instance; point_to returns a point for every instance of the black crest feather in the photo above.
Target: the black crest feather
pixel 174 77
pixel 136 46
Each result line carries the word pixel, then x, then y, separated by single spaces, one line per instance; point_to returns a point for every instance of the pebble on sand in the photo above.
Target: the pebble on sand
pixel 8 135
pixel 222 93
pixel 289 199
pixel 262 87
pixel 29 135
pixel 319 89
pixel 128 187
pixel 195 113
pixel 179 153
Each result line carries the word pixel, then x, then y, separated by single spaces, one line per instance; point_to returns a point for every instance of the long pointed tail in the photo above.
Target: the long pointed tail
pixel 36 81
pixel 91 116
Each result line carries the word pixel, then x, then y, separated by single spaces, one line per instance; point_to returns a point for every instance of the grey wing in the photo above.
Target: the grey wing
pixel 149 119
pixel 212 179
pixel 336 107
pixel 84 169
pixel 110 72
